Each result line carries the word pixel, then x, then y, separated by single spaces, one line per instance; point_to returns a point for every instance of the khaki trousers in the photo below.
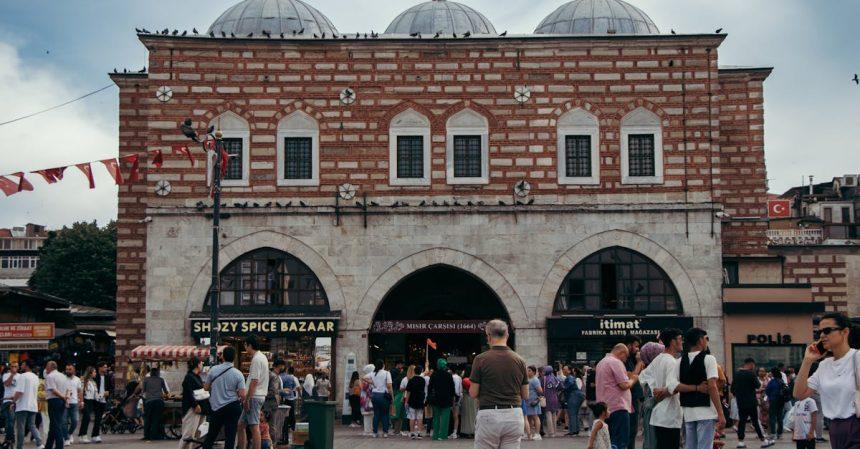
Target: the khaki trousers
pixel 499 428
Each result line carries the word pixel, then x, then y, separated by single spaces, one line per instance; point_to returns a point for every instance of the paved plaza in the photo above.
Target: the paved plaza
pixel 350 439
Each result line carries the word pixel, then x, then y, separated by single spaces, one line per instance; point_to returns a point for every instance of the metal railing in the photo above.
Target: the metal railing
pixel 795 236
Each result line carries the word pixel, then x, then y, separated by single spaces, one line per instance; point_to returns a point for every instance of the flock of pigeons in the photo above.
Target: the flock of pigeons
pixel 358 204
pixel 269 35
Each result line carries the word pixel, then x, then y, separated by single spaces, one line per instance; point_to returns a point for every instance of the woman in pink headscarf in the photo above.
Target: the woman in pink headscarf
pixel 551 389
pixel 647 354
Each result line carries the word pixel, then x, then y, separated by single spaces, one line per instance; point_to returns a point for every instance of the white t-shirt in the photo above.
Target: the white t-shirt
pixel 10 390
pixel 308 384
pixel 381 380
pixel 458 385
pixel 701 413
pixel 56 384
pixel 835 382
pixel 75 385
pixel 403 383
pixel 803 418
pixel 259 371
pixel 663 373
pixel 90 391
pixel 28 385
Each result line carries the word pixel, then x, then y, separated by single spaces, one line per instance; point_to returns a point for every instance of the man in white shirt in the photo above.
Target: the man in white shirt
pixel 455 410
pixel 75 395
pixel 26 405
pixel 700 398
pixel 662 376
pixel 9 382
pixel 257 386
pixel 56 391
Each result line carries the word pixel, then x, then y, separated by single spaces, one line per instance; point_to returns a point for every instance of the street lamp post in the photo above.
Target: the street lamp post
pixel 215 286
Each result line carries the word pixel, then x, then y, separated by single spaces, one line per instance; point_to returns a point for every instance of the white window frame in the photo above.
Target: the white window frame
pixel 578 122
pixel 299 124
pixel 467 123
pixel 233 126
pixel 642 121
pixel 409 123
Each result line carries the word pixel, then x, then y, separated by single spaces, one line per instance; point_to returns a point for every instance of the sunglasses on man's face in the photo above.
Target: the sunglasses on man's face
pixel 828 330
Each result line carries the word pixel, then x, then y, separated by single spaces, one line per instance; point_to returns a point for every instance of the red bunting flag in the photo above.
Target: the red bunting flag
pixel 134 171
pixel 112 167
pixel 8 186
pixel 182 149
pixel 225 157
pixel 431 343
pixel 23 184
pixel 51 175
pixel 88 172
pixel 156 158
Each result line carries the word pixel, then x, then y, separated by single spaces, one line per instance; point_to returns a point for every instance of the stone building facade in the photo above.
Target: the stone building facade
pixel 520 240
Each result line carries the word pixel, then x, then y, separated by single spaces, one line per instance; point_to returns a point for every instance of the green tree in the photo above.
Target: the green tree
pixel 79 264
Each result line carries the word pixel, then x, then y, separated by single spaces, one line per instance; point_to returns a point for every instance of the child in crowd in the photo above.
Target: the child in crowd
pixel 599 430
pixel 265 436
pixel 805 414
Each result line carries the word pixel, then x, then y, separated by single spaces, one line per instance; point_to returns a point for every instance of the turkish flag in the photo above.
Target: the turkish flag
pixel 157 158
pixel 431 343
pixel 8 186
pixel 52 175
pixel 87 170
pixel 779 209
pixel 112 167
pixel 133 172
pixel 182 149
pixel 23 184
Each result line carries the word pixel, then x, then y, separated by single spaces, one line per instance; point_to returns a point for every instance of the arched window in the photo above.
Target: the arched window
pixel 641 148
pixel 468 148
pixel 578 148
pixel 236 138
pixel 409 149
pixel 617 280
pixel 269 278
pixel 298 150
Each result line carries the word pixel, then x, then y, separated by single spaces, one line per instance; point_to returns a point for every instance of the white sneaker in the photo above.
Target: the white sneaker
pixel 537 437
pixel 71 440
pixel 404 434
pixel 741 445
pixel 67 443
pixel 384 435
pixel 375 435
pixel 767 443
pixel 453 436
pixel 97 440
pixel 85 440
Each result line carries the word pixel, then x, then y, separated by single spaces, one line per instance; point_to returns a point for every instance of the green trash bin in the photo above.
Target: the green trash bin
pixel 321 424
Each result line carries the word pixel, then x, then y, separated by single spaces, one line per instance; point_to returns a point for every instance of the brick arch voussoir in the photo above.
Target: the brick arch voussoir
pixel 385 119
pixel 643 103
pixel 492 121
pixel 229 106
pixel 568 106
pixel 299 105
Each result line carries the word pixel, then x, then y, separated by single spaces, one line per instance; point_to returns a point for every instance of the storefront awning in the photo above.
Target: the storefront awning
pixel 170 353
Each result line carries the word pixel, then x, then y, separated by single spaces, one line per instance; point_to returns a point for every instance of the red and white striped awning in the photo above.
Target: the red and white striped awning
pixel 170 353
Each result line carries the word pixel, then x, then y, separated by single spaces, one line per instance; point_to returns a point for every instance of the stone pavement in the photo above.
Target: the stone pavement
pixel 350 439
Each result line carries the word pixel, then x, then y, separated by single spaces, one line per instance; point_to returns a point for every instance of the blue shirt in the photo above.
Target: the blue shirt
pixel 228 381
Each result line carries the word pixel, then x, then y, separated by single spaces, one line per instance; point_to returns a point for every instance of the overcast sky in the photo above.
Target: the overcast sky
pixel 52 51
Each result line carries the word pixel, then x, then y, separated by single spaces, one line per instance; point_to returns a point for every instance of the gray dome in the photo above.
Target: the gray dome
pixel 440 16
pixel 274 16
pixel 597 17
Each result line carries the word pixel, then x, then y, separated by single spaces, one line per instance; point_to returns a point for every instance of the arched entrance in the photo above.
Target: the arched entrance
pixel 444 304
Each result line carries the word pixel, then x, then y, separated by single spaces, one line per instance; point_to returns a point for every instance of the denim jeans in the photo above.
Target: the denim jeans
pixel 26 420
pixel 573 406
pixel 9 417
pixel 71 421
pixel 619 429
pixel 57 424
pixel 381 412
pixel 699 434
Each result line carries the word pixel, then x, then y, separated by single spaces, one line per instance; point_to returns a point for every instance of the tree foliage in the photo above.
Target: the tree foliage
pixel 79 264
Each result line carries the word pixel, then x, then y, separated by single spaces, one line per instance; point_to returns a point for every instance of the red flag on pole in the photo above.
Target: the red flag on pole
pixel 51 175
pixel 225 157
pixel 23 184
pixel 431 343
pixel 8 186
pixel 182 149
pixel 87 170
pixel 156 158
pixel 779 209
pixel 134 172
pixel 112 167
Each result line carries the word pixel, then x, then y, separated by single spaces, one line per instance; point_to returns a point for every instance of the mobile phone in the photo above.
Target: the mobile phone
pixel 819 346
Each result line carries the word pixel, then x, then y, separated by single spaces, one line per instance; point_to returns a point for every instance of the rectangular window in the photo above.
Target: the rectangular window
pixel 410 156
pixel 467 156
pixel 828 215
pixel 641 154
pixel 846 215
pixel 731 274
pixel 298 158
pixel 577 150
pixel 233 147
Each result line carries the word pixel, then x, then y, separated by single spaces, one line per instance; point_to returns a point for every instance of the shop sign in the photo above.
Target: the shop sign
pixel 39 345
pixel 269 327
pixel 764 339
pixel 648 327
pixel 26 331
pixel 429 327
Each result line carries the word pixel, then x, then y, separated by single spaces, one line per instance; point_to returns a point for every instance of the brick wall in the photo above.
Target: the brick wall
pixel 832 272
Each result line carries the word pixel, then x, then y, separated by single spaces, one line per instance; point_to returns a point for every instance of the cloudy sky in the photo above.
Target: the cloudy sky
pixel 52 51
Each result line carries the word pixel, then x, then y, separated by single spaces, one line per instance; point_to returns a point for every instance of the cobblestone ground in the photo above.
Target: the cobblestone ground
pixel 350 439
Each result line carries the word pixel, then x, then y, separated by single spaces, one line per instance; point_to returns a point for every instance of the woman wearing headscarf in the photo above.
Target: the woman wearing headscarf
pixel 365 400
pixel 551 388
pixel 441 396
pixel 647 354
pixel 468 407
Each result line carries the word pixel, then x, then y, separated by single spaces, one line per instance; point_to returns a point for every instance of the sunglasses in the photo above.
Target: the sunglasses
pixel 828 330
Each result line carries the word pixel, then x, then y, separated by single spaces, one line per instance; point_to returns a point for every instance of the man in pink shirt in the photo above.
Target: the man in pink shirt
pixel 613 388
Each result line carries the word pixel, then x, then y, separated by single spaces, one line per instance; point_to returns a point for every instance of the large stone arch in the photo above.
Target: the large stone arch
pixel 690 298
pixel 267 239
pixel 362 316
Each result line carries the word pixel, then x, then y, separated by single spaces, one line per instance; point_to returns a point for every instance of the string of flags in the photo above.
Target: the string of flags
pixel 17 182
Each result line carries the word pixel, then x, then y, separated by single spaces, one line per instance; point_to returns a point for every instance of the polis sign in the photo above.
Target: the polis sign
pixel 266 327
pixel 763 339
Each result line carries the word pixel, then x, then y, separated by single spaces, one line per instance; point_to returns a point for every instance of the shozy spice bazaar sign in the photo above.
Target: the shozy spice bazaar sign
pixel 272 327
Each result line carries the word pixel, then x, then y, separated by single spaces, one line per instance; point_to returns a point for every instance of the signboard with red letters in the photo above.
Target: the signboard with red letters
pixel 26 331
pixel 779 209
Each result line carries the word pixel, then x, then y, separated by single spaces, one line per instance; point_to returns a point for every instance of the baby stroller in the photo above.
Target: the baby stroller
pixel 121 417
